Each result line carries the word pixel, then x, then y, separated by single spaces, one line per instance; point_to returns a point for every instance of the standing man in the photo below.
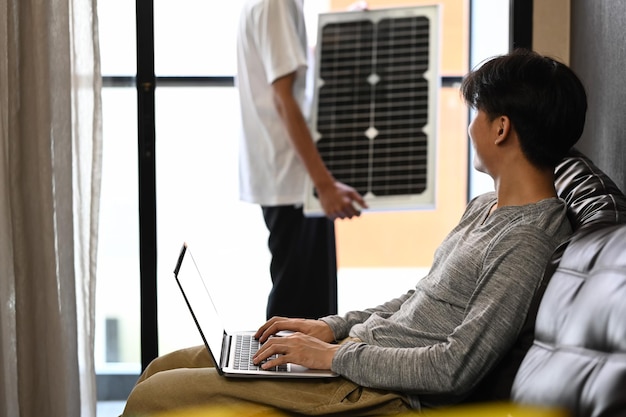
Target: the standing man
pixel 277 153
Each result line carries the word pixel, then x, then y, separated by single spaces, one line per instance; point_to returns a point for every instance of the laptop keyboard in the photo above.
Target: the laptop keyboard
pixel 245 348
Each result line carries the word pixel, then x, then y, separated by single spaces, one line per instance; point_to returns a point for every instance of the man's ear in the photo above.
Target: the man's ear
pixel 503 128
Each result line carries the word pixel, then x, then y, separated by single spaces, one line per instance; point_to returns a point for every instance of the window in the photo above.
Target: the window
pixel 117 287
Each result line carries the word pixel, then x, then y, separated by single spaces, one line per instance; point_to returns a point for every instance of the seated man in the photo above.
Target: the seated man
pixel 432 345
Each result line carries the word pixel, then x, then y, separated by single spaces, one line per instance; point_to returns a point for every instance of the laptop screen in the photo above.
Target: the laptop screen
pixel 198 299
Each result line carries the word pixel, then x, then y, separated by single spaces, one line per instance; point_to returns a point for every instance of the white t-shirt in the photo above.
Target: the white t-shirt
pixel 271 43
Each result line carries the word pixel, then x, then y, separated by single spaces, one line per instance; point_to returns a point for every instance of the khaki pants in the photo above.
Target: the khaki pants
pixel 187 378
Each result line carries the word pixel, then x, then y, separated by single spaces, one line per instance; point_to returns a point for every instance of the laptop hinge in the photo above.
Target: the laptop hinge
pixel 226 340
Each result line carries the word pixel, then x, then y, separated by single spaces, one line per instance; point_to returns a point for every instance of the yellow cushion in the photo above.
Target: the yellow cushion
pixel 495 410
pixel 474 410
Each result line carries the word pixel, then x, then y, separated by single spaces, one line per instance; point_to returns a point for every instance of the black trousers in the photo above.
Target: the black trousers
pixel 304 263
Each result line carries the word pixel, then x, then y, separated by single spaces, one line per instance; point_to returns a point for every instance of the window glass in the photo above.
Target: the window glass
pixel 490 22
pixel 195 37
pixel 117 346
pixel 116 27
pixel 198 203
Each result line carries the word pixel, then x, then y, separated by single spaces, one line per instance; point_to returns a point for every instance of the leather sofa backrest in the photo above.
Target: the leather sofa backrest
pixel 592 197
pixel 578 359
pixel 593 201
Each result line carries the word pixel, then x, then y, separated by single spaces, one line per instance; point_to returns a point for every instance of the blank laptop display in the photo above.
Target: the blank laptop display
pixel 231 353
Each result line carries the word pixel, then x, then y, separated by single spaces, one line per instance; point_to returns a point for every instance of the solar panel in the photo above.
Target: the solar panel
pixel 374 104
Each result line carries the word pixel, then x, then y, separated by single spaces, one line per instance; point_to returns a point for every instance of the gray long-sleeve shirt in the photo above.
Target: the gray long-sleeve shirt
pixel 439 339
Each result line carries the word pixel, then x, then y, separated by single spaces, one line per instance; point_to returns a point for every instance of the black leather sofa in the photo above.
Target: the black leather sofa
pixel 572 351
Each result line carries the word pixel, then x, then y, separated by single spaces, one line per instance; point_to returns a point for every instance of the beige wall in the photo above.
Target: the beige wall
pixel 551 28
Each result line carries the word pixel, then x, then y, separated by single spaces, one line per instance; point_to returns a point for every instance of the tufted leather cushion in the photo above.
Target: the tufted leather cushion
pixel 593 201
pixel 592 197
pixel 578 359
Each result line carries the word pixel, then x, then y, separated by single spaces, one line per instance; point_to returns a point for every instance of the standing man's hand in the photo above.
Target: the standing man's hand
pixel 340 201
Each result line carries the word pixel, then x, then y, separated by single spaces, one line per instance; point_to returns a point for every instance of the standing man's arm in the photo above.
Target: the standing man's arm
pixel 335 197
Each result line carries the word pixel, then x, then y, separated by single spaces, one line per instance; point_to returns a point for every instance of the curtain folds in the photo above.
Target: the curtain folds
pixel 50 156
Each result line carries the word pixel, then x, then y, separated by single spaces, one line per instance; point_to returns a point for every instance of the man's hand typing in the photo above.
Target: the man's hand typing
pixel 297 348
pixel 314 328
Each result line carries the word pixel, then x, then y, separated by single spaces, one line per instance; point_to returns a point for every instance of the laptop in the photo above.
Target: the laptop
pixel 231 353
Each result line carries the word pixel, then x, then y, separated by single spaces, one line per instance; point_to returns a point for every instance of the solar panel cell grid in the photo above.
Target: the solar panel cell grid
pixel 373 101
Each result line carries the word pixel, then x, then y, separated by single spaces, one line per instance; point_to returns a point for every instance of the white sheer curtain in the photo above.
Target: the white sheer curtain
pixel 50 151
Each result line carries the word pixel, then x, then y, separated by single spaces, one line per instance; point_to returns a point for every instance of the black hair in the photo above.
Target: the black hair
pixel 544 99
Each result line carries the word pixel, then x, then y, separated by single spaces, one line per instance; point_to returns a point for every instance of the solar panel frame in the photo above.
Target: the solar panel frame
pixel 374 110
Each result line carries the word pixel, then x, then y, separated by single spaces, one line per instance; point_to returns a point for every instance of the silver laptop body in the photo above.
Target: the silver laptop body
pixel 221 345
